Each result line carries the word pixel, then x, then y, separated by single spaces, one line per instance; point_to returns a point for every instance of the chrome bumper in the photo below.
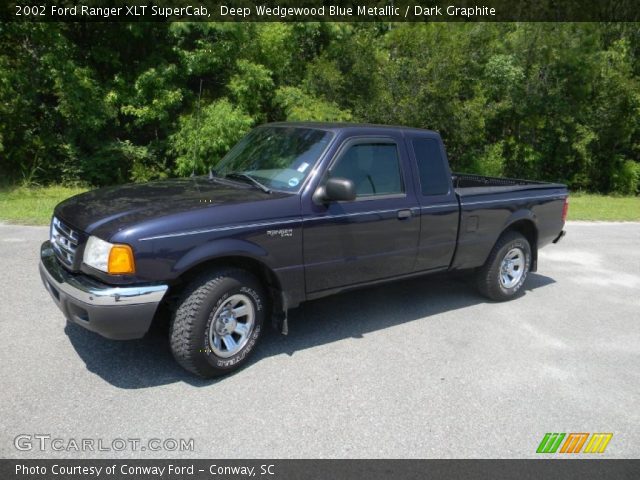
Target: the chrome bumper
pixel 113 312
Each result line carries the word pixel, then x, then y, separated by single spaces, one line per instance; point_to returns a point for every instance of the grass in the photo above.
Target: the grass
pixel 33 206
pixel 584 206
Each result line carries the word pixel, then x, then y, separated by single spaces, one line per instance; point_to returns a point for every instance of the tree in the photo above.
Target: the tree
pixel 110 103
pixel 202 139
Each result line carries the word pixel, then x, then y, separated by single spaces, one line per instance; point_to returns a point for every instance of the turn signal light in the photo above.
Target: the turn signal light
pixel 121 260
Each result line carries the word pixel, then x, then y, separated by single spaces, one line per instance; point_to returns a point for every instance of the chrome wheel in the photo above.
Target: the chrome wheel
pixel 512 268
pixel 232 325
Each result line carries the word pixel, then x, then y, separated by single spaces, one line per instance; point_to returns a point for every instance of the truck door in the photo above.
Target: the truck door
pixel 439 208
pixel 376 235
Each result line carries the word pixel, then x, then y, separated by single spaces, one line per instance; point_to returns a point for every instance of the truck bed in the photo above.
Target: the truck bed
pixel 467 184
pixel 487 205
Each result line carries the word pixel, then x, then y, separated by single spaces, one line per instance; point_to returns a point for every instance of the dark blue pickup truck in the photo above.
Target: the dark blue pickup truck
pixel 295 211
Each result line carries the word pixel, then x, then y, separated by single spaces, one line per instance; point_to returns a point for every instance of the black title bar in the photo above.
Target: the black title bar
pixel 317 469
pixel 322 10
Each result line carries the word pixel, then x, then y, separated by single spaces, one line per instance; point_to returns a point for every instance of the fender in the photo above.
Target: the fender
pixel 225 247
pixel 512 219
pixel 518 215
pixel 515 217
pixel 229 247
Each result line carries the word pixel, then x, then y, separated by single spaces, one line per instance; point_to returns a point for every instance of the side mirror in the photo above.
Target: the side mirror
pixel 336 189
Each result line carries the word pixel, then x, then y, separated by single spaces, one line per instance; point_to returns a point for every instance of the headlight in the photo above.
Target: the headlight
pixel 108 258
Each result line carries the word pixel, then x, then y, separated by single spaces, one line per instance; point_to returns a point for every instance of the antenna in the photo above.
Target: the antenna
pixel 197 142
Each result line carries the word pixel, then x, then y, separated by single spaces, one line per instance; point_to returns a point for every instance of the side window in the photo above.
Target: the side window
pixel 374 169
pixel 434 177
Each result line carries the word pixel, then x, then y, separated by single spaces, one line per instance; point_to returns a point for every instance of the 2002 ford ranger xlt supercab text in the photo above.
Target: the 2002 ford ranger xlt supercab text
pixel 295 211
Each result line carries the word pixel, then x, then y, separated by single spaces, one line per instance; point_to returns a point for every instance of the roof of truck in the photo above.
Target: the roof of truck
pixel 335 126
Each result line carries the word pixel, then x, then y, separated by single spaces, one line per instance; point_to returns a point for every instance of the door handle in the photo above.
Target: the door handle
pixel 404 214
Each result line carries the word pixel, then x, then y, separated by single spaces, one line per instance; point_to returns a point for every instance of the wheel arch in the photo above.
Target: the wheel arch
pixel 267 277
pixel 525 226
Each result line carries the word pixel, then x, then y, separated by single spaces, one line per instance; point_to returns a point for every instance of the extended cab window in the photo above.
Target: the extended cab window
pixel 434 177
pixel 374 169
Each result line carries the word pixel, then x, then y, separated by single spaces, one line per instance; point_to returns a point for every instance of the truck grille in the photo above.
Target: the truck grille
pixel 64 241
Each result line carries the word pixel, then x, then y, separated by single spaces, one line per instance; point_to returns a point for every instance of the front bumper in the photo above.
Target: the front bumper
pixel 119 313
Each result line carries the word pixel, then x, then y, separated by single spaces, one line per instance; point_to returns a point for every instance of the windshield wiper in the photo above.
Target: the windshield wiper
pixel 250 179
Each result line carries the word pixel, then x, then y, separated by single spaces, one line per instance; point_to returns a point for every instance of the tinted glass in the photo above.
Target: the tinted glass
pixel 374 169
pixel 434 175
pixel 278 157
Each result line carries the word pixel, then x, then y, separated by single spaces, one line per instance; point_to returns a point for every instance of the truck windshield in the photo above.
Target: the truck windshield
pixel 280 158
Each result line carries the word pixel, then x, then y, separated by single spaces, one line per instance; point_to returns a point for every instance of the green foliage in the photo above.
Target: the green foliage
pixel 144 161
pixel 120 162
pixel 108 165
pixel 117 102
pixel 626 177
pixel 300 106
pixel 252 88
pixel 491 161
pixel 203 138
pixel 154 97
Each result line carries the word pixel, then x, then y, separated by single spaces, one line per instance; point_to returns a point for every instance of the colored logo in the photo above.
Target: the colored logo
pixel 573 442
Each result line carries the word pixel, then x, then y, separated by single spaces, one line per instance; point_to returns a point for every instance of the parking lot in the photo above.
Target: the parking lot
pixel 421 368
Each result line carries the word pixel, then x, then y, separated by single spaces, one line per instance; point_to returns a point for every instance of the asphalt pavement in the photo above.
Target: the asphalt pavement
pixel 423 368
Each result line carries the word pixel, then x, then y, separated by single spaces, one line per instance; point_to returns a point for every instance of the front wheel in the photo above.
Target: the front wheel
pixel 218 322
pixel 505 271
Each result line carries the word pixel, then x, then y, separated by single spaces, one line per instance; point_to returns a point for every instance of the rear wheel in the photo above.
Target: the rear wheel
pixel 505 271
pixel 218 322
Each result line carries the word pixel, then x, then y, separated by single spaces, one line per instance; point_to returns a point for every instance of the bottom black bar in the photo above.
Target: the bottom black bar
pixel 201 469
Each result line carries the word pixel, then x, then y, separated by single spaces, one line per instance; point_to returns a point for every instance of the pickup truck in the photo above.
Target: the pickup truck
pixel 295 211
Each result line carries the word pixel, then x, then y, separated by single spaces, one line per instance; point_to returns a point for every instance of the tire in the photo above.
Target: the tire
pixel 513 253
pixel 215 306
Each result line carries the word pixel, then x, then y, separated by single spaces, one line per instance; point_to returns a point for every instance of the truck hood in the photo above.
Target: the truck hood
pixel 114 208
